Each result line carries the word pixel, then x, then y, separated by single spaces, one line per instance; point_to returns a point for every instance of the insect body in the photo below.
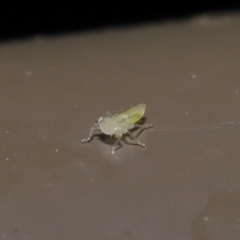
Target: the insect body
pixel 119 124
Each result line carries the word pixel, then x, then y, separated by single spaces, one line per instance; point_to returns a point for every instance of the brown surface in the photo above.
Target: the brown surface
pixel 184 186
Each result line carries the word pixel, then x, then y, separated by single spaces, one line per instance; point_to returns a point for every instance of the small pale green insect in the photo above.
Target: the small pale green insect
pixel 119 124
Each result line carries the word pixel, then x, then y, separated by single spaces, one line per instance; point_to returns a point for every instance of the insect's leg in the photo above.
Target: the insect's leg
pixel 138 142
pixel 143 126
pixel 94 127
pixel 114 147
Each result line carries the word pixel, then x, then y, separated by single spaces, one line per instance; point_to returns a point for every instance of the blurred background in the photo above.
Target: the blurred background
pixel 21 21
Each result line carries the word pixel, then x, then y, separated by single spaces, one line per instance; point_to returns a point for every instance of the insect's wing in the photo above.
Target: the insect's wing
pixel 132 115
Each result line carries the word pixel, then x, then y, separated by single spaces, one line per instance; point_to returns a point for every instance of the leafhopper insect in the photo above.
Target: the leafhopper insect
pixel 119 124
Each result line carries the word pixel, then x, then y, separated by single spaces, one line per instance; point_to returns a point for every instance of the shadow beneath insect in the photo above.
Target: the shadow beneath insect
pixel 110 140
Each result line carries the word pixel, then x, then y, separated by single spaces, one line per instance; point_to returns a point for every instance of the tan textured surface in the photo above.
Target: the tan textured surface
pixel 184 186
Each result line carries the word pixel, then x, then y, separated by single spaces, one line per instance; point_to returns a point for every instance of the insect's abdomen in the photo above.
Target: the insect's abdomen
pixel 133 114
